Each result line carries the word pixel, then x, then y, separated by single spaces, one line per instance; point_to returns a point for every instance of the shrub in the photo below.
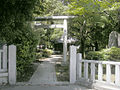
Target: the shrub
pixel 94 55
pixel 26 51
pixel 47 52
pixel 39 55
pixel 112 54
pixel 44 53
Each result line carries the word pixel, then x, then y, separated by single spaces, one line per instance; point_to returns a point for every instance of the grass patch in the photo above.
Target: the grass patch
pixel 62 72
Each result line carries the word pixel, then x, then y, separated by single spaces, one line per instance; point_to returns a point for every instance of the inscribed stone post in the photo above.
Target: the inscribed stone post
pixel 119 40
pixel 113 39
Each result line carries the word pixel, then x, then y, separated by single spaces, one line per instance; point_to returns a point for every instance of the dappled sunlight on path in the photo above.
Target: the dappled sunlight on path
pixel 52 58
pixel 45 73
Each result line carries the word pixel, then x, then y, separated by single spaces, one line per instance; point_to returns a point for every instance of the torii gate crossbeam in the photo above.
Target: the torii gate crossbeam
pixel 64 26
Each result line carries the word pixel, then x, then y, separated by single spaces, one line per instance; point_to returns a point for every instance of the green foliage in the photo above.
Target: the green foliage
pixel 26 52
pixel 94 55
pixel 48 37
pixel 39 55
pixel 45 53
pixel 85 7
pixel 15 26
pixel 62 72
pixel 49 8
pixel 112 54
pixel 94 22
pixel 56 34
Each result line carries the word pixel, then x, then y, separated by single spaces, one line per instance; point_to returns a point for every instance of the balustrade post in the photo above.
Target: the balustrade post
pixel 12 64
pixel 117 75
pixel 85 70
pixel 108 73
pixel 79 65
pixel 5 57
pixel 93 71
pixel 100 72
pixel 72 64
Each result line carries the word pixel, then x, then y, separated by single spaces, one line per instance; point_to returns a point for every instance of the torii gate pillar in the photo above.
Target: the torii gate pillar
pixel 65 41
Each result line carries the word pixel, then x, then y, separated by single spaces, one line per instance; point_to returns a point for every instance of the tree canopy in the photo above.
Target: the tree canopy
pixel 49 8
pixel 95 20
pixel 15 28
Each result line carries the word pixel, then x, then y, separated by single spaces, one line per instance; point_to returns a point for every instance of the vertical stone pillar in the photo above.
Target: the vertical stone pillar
pixel 12 65
pixel 72 64
pixel 79 65
pixel 65 41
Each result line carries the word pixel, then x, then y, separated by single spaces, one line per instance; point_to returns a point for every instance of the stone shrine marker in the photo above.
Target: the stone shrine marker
pixel 114 39
pixel 119 40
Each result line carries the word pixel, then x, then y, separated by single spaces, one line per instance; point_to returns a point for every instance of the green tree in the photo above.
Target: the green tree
pixel 95 20
pixel 15 26
pixel 50 8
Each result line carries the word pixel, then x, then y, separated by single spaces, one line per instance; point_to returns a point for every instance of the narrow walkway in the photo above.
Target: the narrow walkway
pixel 45 73
pixel 69 87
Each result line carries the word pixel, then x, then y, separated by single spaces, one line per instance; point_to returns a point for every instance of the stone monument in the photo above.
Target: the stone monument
pixel 119 40
pixel 114 39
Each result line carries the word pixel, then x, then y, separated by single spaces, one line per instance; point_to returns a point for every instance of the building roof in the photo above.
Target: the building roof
pixel 69 40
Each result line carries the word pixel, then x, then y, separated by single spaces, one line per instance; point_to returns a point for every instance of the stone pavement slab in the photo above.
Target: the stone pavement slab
pixel 69 87
pixel 45 74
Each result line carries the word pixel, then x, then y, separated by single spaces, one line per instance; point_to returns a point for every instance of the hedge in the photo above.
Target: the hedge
pixel 112 54
pixel 45 53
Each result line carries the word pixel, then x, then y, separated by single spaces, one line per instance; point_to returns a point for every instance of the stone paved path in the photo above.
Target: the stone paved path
pixel 45 73
pixel 69 87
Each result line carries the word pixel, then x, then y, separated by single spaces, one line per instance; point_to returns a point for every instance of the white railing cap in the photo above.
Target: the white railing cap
pixel 102 62
pixel 53 18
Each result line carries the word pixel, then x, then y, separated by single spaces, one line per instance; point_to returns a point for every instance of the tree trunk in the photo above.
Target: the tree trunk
pixel 96 46
pixel 82 48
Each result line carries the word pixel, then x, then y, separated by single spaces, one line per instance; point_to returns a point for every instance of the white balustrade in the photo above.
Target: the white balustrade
pixel 93 69
pixel 80 68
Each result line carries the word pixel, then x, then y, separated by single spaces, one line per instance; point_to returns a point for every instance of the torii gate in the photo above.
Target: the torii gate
pixel 64 26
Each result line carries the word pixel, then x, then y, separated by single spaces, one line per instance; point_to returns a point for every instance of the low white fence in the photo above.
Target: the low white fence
pixel 8 65
pixel 93 73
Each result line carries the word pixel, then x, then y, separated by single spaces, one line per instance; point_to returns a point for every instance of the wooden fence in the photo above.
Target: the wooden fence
pixel 8 65
pixel 92 73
